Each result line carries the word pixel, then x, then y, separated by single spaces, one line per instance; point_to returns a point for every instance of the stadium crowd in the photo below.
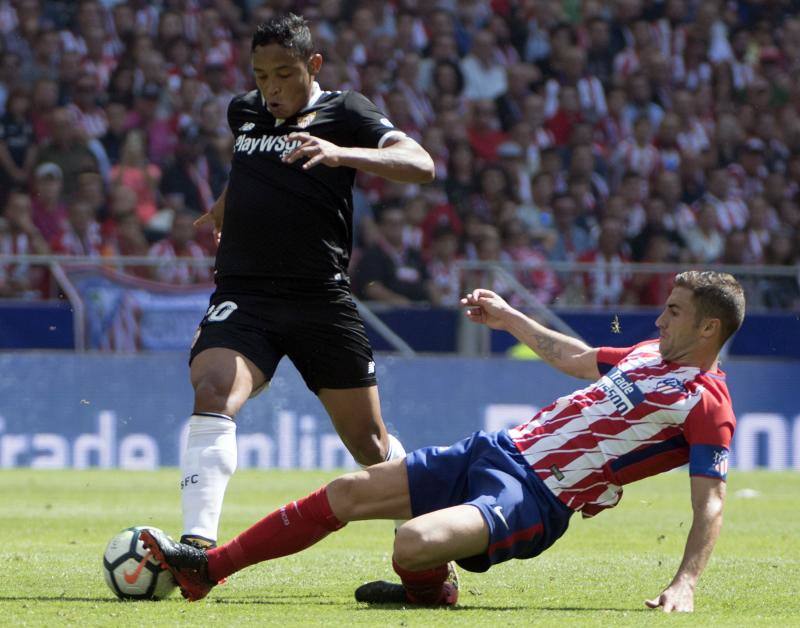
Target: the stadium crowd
pixel 592 131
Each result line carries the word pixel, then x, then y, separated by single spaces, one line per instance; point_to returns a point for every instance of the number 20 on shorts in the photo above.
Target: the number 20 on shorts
pixel 218 313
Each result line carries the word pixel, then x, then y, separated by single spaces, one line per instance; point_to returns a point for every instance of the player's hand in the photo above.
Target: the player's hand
pixel 486 307
pixel 214 217
pixel 317 150
pixel 677 597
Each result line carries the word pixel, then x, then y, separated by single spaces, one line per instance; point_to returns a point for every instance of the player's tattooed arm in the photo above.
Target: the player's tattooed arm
pixel 565 353
pixel 546 347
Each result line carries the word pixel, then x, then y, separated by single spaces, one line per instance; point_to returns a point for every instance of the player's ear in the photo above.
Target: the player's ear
pixel 314 63
pixel 710 327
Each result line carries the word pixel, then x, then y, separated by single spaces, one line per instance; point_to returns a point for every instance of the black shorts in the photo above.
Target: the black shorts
pixel 318 327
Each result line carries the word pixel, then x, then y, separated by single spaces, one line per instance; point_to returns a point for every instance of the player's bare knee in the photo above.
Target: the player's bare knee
pixel 410 546
pixel 367 449
pixel 342 496
pixel 215 394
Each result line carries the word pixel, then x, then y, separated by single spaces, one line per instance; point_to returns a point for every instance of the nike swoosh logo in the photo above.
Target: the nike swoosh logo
pixel 131 577
pixel 499 511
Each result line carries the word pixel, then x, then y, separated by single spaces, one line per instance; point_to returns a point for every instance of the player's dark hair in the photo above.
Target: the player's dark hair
pixel 289 31
pixel 715 295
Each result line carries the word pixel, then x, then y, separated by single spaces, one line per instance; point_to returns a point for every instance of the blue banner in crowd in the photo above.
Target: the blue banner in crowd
pixel 117 411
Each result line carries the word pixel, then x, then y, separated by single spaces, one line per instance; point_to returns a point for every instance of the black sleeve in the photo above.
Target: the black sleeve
pixel 234 117
pixel 368 123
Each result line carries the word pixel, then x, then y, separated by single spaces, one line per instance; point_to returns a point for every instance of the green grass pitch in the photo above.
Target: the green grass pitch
pixel 54 527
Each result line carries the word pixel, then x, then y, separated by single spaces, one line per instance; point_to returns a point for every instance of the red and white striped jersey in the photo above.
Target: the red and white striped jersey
pixel 642 417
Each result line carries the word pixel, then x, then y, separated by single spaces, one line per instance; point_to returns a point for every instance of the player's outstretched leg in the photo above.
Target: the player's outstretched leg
pixel 187 563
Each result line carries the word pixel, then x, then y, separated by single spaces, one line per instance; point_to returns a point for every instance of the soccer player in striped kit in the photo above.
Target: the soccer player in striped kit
pixel 495 496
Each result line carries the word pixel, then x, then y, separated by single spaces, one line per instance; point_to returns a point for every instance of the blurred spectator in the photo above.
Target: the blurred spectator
pixel 444 275
pixel 189 183
pixel 606 283
pixel 705 240
pixel 390 272
pixel 17 151
pixel 66 149
pixel 178 245
pixel 571 240
pixel 483 69
pixel 731 211
pixel 135 172
pixel 80 234
pixel 19 236
pixel 781 292
pixel 49 209
pixel 532 269
pixel 652 289
pixel 87 114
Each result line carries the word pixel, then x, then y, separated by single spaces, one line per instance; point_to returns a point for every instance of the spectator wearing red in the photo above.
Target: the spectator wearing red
pixel 485 133
pixel 136 173
pixel 566 116
pixel 606 282
pixel 81 234
pixel 180 245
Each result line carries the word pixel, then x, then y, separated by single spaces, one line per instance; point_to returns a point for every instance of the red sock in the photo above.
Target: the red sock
pixel 288 530
pixel 423 587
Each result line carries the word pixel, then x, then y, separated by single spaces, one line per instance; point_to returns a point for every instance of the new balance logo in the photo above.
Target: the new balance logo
pixel 247 126
pixel 371 368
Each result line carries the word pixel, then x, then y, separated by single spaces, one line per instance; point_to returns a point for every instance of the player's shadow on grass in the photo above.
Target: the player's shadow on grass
pixel 523 607
pixel 66 598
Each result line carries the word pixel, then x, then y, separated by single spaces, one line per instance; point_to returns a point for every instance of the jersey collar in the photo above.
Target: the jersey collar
pixel 316 92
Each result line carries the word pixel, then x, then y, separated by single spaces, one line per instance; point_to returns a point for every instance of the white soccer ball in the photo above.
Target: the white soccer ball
pixel 131 572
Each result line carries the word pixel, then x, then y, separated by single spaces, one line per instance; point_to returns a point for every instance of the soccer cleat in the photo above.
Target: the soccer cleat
pixel 187 563
pixel 198 541
pixel 383 592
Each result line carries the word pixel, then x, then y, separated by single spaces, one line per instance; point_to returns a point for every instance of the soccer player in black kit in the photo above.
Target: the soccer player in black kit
pixel 285 219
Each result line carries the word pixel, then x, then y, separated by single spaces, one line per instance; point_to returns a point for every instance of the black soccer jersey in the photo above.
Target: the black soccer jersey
pixel 283 222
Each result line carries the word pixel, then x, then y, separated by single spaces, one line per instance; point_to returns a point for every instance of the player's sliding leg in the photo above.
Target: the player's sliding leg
pixel 222 380
pixel 380 492
pixel 423 549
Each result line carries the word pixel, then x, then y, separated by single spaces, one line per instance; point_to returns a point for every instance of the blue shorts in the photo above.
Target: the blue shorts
pixel 487 471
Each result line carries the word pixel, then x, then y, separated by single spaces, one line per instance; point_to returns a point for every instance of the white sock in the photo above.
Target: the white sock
pixel 396 449
pixel 208 463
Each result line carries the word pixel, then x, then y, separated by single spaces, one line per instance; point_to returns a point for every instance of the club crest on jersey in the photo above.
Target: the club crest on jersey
pixel 721 462
pixel 304 121
pixel 621 391
pixel 247 126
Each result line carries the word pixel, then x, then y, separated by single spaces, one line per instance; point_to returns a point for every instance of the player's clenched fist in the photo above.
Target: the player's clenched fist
pixel 486 307
pixel 317 150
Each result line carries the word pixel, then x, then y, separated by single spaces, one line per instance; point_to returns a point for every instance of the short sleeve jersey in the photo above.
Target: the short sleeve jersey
pixel 283 222
pixel 642 417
